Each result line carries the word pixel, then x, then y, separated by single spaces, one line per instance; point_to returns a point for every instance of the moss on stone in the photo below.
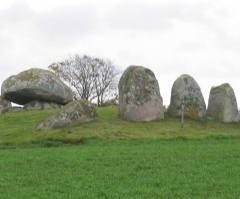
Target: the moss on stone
pixel 28 75
pixel 222 88
pixel 149 72
pixel 36 84
pixel 192 112
pixel 128 77
pixel 125 81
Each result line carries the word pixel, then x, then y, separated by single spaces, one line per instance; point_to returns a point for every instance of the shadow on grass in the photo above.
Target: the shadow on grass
pixel 46 143
pixel 56 142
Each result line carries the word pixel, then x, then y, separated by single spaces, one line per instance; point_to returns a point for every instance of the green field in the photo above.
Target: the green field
pixel 112 158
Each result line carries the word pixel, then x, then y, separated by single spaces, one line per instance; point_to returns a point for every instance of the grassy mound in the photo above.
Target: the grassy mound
pixel 19 129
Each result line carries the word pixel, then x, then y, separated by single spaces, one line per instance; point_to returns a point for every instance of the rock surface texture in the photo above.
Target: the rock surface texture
pixel 222 104
pixel 139 95
pixel 38 105
pixel 4 105
pixel 186 91
pixel 76 112
pixel 36 85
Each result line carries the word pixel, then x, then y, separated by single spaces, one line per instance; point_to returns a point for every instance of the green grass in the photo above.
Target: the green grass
pixel 19 128
pixel 113 158
pixel 123 169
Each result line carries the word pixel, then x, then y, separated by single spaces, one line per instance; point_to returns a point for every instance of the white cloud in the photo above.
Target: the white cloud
pixel 171 37
pixel 145 16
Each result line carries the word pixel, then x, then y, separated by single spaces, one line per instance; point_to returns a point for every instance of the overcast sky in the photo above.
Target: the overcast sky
pixel 171 37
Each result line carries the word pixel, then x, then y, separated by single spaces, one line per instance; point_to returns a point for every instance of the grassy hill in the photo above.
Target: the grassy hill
pixel 19 128
pixel 112 158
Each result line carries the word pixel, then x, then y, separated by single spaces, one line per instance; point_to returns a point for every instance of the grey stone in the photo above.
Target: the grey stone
pixel 76 112
pixel 222 104
pixel 139 95
pixel 4 105
pixel 187 91
pixel 38 105
pixel 36 84
pixel 13 109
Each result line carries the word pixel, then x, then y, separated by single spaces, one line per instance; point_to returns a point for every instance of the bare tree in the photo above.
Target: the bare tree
pixel 104 81
pixel 91 78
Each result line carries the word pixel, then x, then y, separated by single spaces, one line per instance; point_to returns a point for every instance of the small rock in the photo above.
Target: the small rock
pixel 76 112
pixel 13 109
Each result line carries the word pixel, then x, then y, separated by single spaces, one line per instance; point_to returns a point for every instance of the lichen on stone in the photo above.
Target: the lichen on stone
pixel 139 95
pixel 36 85
pixel 185 90
pixel 222 104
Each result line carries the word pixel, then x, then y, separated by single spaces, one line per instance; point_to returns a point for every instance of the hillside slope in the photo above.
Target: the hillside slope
pixel 19 128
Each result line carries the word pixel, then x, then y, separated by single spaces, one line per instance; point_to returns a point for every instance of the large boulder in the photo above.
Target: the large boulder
pixel 139 95
pixel 186 91
pixel 222 104
pixel 36 84
pixel 76 112
pixel 4 105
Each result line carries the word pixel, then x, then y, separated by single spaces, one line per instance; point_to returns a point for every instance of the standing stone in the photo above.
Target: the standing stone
pixel 36 85
pixel 4 105
pixel 222 104
pixel 186 91
pixel 139 95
